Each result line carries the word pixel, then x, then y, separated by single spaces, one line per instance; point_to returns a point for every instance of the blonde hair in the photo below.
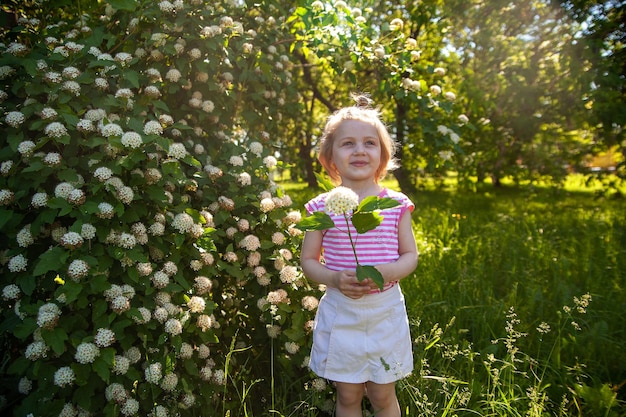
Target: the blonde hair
pixel 364 112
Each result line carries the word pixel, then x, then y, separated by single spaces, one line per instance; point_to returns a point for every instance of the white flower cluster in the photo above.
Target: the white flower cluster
pixel 77 269
pixel 250 242
pixel 153 127
pixel 177 151
pixel 64 376
pixel 104 337
pixel 48 315
pixel 86 352
pixel 36 350
pixel 72 240
pixel 196 304
pixel 11 292
pixel 18 263
pixel 341 201
pixel 14 118
pixel 132 140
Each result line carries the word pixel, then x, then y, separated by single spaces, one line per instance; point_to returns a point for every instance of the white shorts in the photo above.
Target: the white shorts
pixel 362 340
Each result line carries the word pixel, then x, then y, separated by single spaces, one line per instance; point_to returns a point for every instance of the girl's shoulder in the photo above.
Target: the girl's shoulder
pixel 316 203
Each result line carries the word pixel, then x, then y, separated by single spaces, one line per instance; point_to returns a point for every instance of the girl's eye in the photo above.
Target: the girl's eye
pixel 346 143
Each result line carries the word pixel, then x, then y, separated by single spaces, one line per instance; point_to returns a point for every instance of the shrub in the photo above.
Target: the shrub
pixel 146 254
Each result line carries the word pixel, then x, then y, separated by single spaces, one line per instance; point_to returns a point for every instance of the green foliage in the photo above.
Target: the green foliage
pixel 148 260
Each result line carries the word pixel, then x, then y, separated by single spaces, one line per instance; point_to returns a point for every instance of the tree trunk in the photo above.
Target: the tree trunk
pixel 400 174
pixel 304 152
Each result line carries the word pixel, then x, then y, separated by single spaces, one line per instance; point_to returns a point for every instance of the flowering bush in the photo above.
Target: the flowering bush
pixel 146 255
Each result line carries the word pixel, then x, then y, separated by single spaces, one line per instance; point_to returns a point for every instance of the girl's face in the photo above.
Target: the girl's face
pixel 356 151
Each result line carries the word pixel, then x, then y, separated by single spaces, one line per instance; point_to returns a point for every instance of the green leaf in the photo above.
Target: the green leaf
pixel 324 183
pixel 128 5
pixel 364 222
pixel 51 260
pixel 368 271
pixel 102 369
pixel 373 203
pixel 55 339
pixel 316 221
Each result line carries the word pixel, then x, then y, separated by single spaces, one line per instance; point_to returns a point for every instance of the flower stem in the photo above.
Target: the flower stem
pixel 345 216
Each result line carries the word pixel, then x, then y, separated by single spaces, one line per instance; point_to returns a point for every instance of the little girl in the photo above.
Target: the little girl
pixel 361 339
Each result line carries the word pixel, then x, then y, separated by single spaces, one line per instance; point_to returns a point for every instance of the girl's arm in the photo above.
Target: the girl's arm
pixel 407 248
pixel 345 281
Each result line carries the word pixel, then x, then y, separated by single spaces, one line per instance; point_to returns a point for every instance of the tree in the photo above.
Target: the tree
pixel 372 50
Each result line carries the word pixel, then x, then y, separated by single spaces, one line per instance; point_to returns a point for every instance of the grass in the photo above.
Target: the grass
pixel 518 304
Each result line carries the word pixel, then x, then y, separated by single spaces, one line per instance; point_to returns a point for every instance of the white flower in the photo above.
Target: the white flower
pixel 292 347
pixel 121 365
pixel 236 161
pixel 131 140
pixel 105 210
pixel 26 147
pixel 104 337
pixel 86 352
pixel 24 237
pixel 39 200
pixel 85 125
pixel 72 87
pixel 64 376
pixel 160 279
pixel 152 91
pixel 52 159
pixel 173 327
pixel 196 304
pixel 153 127
pixel 169 382
pixel 88 231
pixel 18 263
pixel 124 93
pixel 173 75
pixel 103 173
pixel 267 204
pixel 288 274
pixel 177 151
pixel 435 90
pixel 36 350
pixel 270 162
pixel 14 118
pixel 48 315
pixel 24 386
pixel 130 407
pixel 310 303
pixel 11 292
pixel 250 242
pixel 6 197
pixel 341 201
pixel 111 129
pixel 70 72
pixel 449 95
pixel 125 194
pixel 71 240
pixel 63 190
pixel 439 71
pixel 463 119
pixel 5 167
pixel 182 222
pixel 244 179
pixel 77 269
pixel 396 24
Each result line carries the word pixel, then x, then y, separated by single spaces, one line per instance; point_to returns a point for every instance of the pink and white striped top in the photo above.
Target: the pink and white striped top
pixel 375 247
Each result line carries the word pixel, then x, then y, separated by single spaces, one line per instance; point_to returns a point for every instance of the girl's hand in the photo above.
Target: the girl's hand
pixel 347 282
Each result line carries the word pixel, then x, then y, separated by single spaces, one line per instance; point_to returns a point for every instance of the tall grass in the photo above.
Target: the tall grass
pixel 518 304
